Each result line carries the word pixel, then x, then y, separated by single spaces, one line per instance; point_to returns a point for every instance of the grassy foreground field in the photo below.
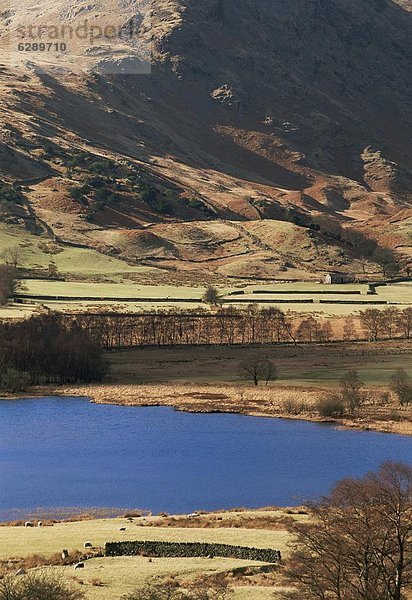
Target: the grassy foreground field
pixel 23 541
pixel 117 576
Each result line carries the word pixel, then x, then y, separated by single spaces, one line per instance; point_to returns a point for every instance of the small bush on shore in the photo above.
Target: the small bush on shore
pixel 293 406
pixel 14 381
pixel 331 405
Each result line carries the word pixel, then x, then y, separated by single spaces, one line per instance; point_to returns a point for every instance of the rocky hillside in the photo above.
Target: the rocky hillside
pixel 295 114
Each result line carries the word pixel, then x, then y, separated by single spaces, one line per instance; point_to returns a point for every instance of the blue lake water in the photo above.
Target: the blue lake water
pixel 60 452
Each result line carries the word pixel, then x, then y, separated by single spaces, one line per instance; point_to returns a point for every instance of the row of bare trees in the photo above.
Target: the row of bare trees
pixel 388 323
pixel 230 326
pixel 224 327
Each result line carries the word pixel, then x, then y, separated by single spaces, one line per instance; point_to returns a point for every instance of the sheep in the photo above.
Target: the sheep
pixel 28 524
pixel 39 524
pixel 88 545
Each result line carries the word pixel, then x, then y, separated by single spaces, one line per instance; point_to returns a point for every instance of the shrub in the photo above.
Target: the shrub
pixel 9 194
pixel 78 193
pixel 212 296
pixel 202 588
pixel 39 585
pixel 102 167
pixel 293 406
pixel 155 591
pixel 14 380
pixel 331 405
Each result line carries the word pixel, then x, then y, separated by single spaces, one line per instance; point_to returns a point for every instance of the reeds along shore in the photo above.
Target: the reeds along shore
pixel 291 402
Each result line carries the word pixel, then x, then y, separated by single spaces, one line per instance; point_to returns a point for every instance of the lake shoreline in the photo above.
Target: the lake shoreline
pixel 268 402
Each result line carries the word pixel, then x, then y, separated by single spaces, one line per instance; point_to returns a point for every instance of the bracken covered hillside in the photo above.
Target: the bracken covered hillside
pixel 264 128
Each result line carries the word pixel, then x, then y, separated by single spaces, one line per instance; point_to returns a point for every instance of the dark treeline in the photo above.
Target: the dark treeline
pixel 47 349
pixel 230 326
pixel 8 282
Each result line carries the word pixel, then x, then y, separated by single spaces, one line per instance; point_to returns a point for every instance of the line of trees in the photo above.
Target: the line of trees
pixel 230 326
pixel 388 323
pixel 227 326
pixel 47 349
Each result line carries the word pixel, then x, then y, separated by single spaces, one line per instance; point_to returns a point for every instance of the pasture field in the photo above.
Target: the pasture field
pixel 398 292
pixel 128 297
pixel 108 290
pixel 120 575
pixel 313 365
pixel 24 541
pixel 305 287
pixel 37 252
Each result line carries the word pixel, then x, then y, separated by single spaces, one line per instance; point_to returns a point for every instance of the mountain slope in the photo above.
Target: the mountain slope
pixel 277 110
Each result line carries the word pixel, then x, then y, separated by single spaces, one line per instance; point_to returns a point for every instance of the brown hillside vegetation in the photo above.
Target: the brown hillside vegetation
pixel 236 135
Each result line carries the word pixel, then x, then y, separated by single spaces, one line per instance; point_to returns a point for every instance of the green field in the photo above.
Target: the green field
pixel 128 297
pixel 307 364
pixel 108 290
pixel 121 575
pixel 22 541
pixel 37 252
pixel 372 373
pixel 303 287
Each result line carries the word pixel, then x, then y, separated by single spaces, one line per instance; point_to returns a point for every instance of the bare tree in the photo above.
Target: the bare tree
pixel 385 258
pixel 259 370
pixel 359 544
pixel 349 332
pixel 390 318
pixel 400 385
pixel 308 329
pixel 405 322
pixel 351 386
pixel 12 256
pixel 373 323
